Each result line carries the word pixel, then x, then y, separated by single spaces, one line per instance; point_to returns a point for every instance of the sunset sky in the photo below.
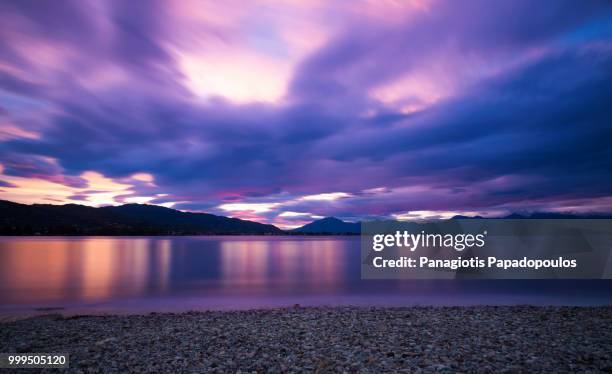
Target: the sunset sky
pixel 286 111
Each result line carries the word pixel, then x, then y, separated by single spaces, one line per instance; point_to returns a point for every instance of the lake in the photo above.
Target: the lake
pixel 131 274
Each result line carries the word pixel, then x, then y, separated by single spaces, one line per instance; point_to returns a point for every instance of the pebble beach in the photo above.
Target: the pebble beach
pixel 491 339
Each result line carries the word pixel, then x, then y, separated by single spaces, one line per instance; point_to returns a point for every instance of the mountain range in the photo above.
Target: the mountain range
pixel 329 225
pixel 335 226
pixel 129 219
pixel 143 219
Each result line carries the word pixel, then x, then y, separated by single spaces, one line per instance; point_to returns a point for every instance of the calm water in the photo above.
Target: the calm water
pixel 181 273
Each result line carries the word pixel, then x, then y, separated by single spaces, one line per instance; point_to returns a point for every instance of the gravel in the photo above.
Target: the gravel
pixel 327 339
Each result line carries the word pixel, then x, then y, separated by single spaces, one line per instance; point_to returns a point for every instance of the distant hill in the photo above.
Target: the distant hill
pixel 329 225
pixel 335 226
pixel 550 215
pixel 142 219
pixel 129 219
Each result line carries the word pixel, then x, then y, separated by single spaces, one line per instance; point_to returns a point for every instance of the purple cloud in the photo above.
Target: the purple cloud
pixel 467 107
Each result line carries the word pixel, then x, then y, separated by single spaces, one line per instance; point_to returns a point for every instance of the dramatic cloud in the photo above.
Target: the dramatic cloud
pixel 289 111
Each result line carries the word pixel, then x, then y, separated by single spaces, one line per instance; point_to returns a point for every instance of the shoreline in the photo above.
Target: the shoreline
pixel 352 339
pixel 23 312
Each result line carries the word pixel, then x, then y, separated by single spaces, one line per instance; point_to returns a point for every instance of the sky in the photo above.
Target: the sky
pixel 288 111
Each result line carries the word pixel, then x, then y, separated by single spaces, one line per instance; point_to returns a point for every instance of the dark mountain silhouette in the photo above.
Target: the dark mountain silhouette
pixel 129 219
pixel 553 215
pixel 329 225
pixel 142 219
pixel 335 226
pixel 466 217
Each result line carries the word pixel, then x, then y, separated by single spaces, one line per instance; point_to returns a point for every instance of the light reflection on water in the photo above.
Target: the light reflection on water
pixel 267 265
pixel 236 272
pixel 38 270
pixel 52 269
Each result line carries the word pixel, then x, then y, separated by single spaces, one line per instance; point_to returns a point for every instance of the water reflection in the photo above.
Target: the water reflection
pixel 85 269
pixel 227 272
pixel 163 263
pixel 54 269
pixel 266 266
pixel 244 263
pixel 28 272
